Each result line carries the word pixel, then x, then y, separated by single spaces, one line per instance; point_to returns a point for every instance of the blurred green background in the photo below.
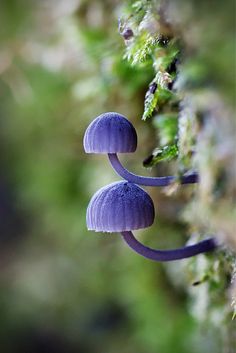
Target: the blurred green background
pixel 62 288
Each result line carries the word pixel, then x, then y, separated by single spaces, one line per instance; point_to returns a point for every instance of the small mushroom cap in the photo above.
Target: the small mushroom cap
pixel 110 133
pixel 119 207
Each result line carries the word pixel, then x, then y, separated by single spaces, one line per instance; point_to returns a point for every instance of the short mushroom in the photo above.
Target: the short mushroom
pixel 122 207
pixel 112 133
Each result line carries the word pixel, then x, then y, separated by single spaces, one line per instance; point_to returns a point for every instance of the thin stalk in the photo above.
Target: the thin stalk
pixel 148 181
pixel 168 255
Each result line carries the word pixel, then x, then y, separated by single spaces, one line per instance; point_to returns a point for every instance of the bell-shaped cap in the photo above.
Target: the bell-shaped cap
pixel 110 133
pixel 119 207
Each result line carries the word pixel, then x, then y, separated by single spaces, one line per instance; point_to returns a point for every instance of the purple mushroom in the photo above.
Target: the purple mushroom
pixel 122 207
pixel 112 133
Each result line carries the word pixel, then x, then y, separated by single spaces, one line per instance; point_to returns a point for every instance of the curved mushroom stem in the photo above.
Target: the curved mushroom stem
pixel 168 255
pixel 148 181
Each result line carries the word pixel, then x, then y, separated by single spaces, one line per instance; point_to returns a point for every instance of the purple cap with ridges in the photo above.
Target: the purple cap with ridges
pixel 110 133
pixel 118 207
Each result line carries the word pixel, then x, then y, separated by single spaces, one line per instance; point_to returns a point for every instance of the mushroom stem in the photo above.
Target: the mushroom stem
pixel 169 255
pixel 148 181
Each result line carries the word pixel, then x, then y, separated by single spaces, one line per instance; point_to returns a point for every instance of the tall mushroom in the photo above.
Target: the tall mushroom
pixel 112 133
pixel 122 207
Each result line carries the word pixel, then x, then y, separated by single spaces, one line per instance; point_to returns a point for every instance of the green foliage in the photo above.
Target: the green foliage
pixel 164 154
pixel 188 91
pixel 140 50
pixel 167 127
pixel 154 101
